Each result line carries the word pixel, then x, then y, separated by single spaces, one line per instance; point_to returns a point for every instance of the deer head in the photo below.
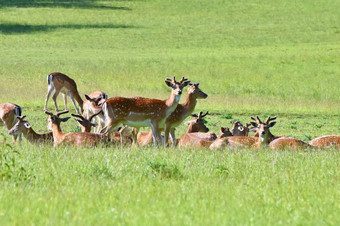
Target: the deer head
pixel 196 91
pixel 177 87
pixel 86 124
pixel 262 128
pixel 19 126
pixel 97 101
pixel 197 124
pixel 240 130
pixel 55 119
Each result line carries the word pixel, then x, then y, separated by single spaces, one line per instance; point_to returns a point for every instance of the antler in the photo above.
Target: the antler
pixel 94 115
pixel 270 119
pixel 20 118
pixel 61 112
pixel 257 119
pixel 48 112
pixel 78 116
pixel 205 114
pixel 183 80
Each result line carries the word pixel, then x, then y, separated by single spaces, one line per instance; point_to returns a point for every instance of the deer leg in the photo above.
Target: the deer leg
pixel 54 97
pixel 172 136
pixel 155 134
pixel 74 104
pixel 166 134
pixel 65 100
pixel 49 91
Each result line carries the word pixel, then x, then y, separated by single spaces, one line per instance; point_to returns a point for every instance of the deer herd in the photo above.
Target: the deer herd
pixel 128 115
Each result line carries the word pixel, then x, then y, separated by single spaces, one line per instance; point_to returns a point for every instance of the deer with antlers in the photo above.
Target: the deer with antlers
pixel 61 83
pixel 74 138
pixel 328 141
pixel 198 139
pixel 24 127
pixel 122 136
pixel 194 126
pixel 264 136
pixel 8 116
pixel 143 112
pixel 93 104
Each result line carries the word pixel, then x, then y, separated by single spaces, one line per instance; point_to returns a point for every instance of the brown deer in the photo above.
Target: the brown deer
pixel 264 138
pixel 8 116
pixel 240 130
pixel 61 83
pixel 326 141
pixel 72 138
pixel 181 112
pixel 24 127
pixel 288 143
pixel 143 112
pixel 86 125
pixel 93 104
pixel 195 125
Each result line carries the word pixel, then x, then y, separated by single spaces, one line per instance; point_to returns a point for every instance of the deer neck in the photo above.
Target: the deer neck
pixel 171 103
pixel 262 141
pixel 79 100
pixel 190 103
pixel 30 134
pixel 57 134
pixel 192 128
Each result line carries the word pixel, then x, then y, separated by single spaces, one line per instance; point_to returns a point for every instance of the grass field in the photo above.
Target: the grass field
pixel 251 58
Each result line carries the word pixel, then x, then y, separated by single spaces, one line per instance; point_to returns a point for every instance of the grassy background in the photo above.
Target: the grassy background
pixel 251 57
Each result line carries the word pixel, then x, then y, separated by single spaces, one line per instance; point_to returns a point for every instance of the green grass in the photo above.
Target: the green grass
pixel 251 58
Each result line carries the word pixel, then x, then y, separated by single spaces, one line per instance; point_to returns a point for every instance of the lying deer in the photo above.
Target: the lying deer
pixel 24 127
pixel 195 125
pixel 86 125
pixel 61 83
pixel 143 112
pixel 93 104
pixel 73 138
pixel 201 139
pixel 326 141
pixel 264 138
pixel 8 115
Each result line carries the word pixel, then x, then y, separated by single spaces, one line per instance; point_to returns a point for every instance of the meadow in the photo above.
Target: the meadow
pixel 251 58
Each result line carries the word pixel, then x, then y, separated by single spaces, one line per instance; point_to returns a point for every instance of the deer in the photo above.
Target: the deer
pixel 8 116
pixel 240 130
pixel 86 125
pixel 143 112
pixel 93 104
pixel 195 138
pixel 195 125
pixel 61 83
pixel 327 141
pixel 264 138
pixel 24 127
pixel 77 139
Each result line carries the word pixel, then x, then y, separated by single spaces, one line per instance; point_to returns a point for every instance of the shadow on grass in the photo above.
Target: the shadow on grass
pixel 14 28
pixel 84 4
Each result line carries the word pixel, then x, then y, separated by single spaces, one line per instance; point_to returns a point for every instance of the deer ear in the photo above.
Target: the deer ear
pixel 27 125
pixel 272 124
pixel 187 123
pixel 94 124
pixel 87 97
pixel 223 129
pixel 168 83
pixel 240 128
pixel 65 119
pixel 254 124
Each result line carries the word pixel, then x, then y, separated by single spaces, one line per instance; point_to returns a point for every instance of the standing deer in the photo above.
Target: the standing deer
pixel 24 127
pixel 8 115
pixel 77 139
pixel 93 104
pixel 143 112
pixel 264 138
pixel 181 112
pixel 61 83
pixel 326 141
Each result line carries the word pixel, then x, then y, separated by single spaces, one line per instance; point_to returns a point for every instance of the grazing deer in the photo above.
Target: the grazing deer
pixel 61 83
pixel 93 104
pixel 264 138
pixel 195 125
pixel 8 115
pixel 24 127
pixel 143 112
pixel 326 141
pixel 86 125
pixel 77 139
